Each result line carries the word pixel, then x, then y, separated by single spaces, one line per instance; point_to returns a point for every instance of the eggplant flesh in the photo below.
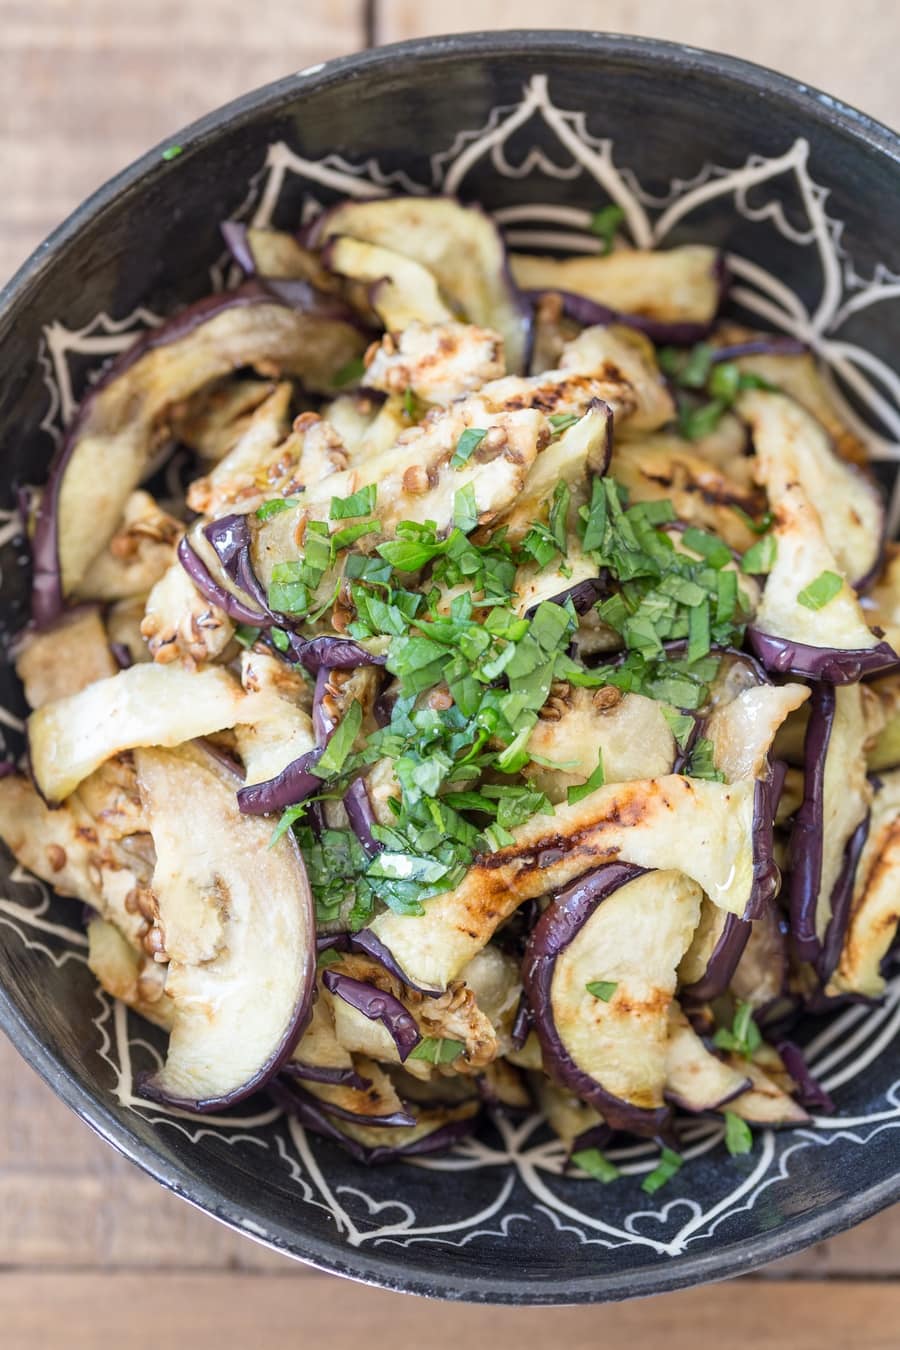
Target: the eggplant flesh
pixel 123 420
pixel 785 438
pixel 128 974
pixel 612 1053
pixel 237 924
pixel 437 362
pixel 576 726
pixel 55 662
pixel 438 233
pixel 402 291
pixel 696 1078
pixel 143 706
pixel 742 731
pixel 875 908
pixel 705 829
pixel 765 1102
pixel 672 286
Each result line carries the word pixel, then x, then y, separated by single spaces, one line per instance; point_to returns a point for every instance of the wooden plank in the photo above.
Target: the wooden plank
pixel 133 1312
pixel 58 1179
pixel 841 48
pixel 87 86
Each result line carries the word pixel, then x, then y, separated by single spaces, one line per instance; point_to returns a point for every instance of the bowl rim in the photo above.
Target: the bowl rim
pixel 722 1262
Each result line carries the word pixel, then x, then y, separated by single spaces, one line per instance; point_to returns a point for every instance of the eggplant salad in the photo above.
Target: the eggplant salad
pixel 505 717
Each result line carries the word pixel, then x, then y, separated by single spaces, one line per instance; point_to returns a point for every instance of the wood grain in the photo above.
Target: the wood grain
pixel 136 1312
pixel 87 85
pixel 840 48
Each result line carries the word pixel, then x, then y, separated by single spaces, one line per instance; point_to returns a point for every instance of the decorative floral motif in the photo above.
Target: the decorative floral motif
pixel 522 1172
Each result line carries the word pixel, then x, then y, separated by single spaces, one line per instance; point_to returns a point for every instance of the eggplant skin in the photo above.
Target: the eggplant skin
pixel 237 922
pixel 783 656
pixel 633 1024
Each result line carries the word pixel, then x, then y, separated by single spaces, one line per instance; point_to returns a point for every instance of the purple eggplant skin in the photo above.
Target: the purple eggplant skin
pixel 311 1114
pixel 722 962
pixel 367 944
pixel 378 1007
pixel 230 539
pixel 322 1073
pixel 556 928
pixel 810 1093
pixel 806 837
pixel 598 1136
pixel 234 232
pixel 358 806
pixel 294 784
pixel 590 313
pixel 841 901
pixel 331 653
pixel 785 657
pixel 766 876
pixel 775 345
pixel 216 593
pixel 522 1023
pixel 583 595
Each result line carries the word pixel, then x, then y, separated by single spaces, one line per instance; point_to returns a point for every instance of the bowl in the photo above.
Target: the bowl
pixel 542 128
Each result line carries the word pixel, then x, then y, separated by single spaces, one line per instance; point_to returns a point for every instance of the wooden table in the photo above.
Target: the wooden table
pixel 92 1253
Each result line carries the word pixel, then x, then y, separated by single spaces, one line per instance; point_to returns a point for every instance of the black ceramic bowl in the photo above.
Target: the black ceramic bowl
pixel 542 128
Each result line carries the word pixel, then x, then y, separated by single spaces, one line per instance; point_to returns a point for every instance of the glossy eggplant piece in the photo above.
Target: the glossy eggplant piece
pixel 236 922
pixel 708 830
pixel 64 659
pixel 696 1078
pixel 875 909
pixel 124 418
pixel 437 232
pixel 128 974
pixel 629 928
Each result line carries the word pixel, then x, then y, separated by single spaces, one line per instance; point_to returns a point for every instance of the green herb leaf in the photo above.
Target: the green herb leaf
pixel 465 509
pixel 246 635
pixel 604 224
pixel 696 422
pixel 670 1163
pixel 172 152
pixel 695 371
pixel 744 1038
pixel 818 593
pixel 275 507
pixel 701 763
pixel 738 1135
pixel 716 553
pixel 350 373
pixel 341 743
pixel 596 780
pixel 592 1161
pixel 680 724
pixel 602 989
pixel 361 503
pixel 437 1050
pixel 562 421
pixel 760 557
pixel 280 639
pixel 466 446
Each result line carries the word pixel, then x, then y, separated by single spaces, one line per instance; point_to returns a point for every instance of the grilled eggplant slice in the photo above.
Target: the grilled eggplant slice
pixel 437 232
pixel 742 730
pixel 267 746
pixel 848 503
pixel 213 421
pixel 237 924
pixel 705 829
pixel 696 1078
pixel 66 658
pixel 145 705
pixel 437 362
pixel 765 1102
pixel 576 726
pixel 567 1115
pixel 627 929
pixel 401 290
pixel 875 910
pixel 836 800
pixel 137 555
pixel 675 292
pixel 127 974
pixel 659 468
pixel 124 418
pixel 245 474
pixel 832 642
